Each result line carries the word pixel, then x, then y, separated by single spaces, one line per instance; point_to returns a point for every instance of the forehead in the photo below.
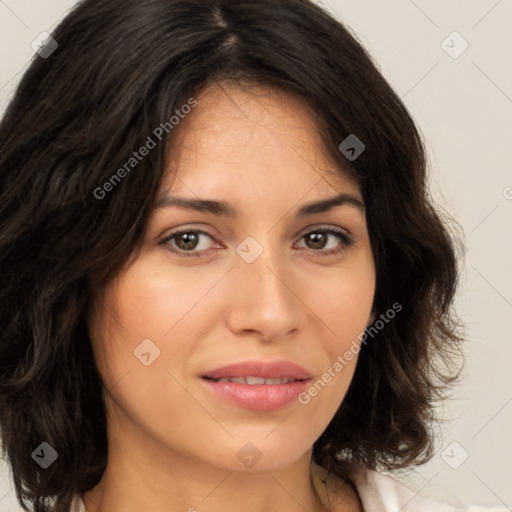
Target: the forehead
pixel 249 136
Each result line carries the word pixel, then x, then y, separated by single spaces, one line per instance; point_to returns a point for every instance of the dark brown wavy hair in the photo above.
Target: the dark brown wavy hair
pixel 123 67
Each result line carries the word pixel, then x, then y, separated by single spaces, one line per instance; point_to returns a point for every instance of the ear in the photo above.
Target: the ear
pixel 371 319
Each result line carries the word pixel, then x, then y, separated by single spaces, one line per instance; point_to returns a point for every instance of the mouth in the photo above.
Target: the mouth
pixel 256 393
pixel 257 385
pixel 254 371
pixel 255 381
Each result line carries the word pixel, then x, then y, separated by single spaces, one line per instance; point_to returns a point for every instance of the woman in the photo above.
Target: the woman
pixel 222 276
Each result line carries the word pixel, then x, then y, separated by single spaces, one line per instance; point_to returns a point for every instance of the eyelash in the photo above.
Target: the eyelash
pixel 346 240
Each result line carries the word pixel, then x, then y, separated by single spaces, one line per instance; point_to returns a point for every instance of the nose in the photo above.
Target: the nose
pixel 265 298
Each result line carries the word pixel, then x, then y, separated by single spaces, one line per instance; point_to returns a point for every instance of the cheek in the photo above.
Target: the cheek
pixel 140 365
pixel 323 397
pixel 343 302
pixel 344 307
pixel 150 302
pixel 150 310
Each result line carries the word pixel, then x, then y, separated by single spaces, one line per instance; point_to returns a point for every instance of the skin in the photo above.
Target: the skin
pixel 173 444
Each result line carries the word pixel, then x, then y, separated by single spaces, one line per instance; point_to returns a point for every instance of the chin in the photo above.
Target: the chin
pixel 261 454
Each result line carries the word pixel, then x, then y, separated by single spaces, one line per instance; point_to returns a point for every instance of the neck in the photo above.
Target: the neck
pixel 143 481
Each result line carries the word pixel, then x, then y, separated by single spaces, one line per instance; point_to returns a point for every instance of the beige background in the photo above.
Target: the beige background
pixel 463 106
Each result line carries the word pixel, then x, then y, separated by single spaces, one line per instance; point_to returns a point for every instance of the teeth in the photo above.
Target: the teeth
pixel 256 380
pixel 271 382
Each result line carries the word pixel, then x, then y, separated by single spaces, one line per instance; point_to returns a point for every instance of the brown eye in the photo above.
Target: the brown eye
pixel 318 239
pixel 185 241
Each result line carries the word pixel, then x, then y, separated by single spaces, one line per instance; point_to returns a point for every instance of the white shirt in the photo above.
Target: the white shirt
pixel 383 493
pixel 378 493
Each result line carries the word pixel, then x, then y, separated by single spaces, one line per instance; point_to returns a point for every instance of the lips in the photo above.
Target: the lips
pixel 264 386
pixel 251 370
pixel 251 380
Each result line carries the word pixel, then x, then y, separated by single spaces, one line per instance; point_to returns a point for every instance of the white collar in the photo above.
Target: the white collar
pixel 378 492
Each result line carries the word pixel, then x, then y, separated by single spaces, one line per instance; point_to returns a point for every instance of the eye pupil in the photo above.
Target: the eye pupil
pixel 318 239
pixel 191 240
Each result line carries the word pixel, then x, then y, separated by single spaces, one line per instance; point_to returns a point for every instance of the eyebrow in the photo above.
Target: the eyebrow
pixel 225 209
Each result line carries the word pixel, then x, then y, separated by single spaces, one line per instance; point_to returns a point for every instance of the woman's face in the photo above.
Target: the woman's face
pixel 247 288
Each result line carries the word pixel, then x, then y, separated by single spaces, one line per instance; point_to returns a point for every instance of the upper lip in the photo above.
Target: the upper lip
pixel 267 370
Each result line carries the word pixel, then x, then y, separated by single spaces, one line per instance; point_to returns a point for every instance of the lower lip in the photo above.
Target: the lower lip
pixel 261 397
